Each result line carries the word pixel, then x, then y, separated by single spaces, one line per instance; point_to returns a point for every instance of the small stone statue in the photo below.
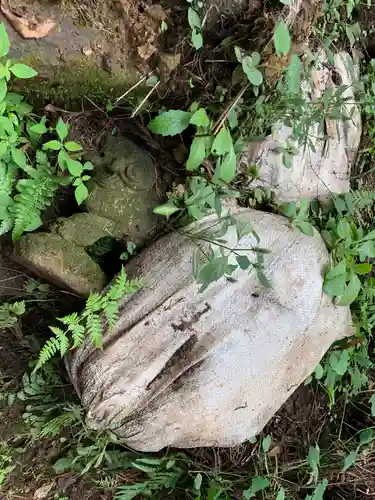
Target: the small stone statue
pixel 121 202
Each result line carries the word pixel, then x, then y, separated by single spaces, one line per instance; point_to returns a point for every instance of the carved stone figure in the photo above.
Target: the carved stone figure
pixel 120 205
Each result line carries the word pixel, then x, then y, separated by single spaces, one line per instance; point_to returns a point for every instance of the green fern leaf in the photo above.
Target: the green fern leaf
pixel 34 194
pixel 95 329
pixel 57 343
pixel 111 312
pixel 54 426
pixel 94 303
pixel 78 335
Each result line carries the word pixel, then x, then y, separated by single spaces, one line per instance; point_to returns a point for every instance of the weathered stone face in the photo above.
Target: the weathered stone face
pixel 120 205
pixel 122 190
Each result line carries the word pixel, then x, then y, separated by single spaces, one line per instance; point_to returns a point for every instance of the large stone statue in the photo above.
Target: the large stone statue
pixel 120 205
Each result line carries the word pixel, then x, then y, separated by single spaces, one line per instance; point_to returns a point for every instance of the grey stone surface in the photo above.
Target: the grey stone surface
pixel 60 261
pixel 186 369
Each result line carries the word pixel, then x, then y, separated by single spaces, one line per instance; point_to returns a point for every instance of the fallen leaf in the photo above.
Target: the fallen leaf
pixel 25 27
pixel 43 492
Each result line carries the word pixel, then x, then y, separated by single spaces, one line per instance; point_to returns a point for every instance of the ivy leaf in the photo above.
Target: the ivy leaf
pixel 200 118
pixel 4 41
pixel 171 122
pixel 281 39
pixel 349 460
pixel 19 157
pixel 351 291
pixel 293 75
pixel 62 129
pixel 52 145
pixel 81 193
pixel 22 71
pixel 167 209
pixel 72 146
pixel 197 39
pixel 75 167
pixel 197 153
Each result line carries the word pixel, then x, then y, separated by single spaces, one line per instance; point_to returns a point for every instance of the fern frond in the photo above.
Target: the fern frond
pixel 95 329
pixel 34 194
pixel 122 286
pixel 57 343
pixel 111 312
pixel 78 334
pixel 53 427
pixel 7 180
pixel 94 303
pixel 362 198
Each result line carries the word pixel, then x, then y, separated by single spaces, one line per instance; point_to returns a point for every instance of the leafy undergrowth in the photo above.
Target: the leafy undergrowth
pixel 321 444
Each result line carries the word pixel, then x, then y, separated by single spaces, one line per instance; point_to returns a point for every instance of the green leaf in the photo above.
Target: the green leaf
pixel 363 268
pixel 197 39
pixel 351 291
pixel 19 157
pixel 337 270
pixel 81 193
pixel 366 437
pixel 72 146
pixel 198 481
pixel 305 227
pixel 281 39
pixel 372 402
pixel 151 81
pixel 200 118
pixel 197 153
pixel 266 443
pixel 4 41
pixel 62 129
pixel 293 75
pixel 194 19
pixel 52 145
pixel 167 209
pixel 339 362
pixel 319 371
pixel 171 122
pixel 343 229
pixel 38 128
pixel 243 262
pixel 75 167
pixel 3 89
pixel 281 494
pixel 253 74
pixel 259 483
pixel 223 142
pixel 62 159
pixel 213 270
pixel 349 460
pixel 227 167
pixel 313 459
pixel 335 286
pixel 319 490
pixel 22 71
